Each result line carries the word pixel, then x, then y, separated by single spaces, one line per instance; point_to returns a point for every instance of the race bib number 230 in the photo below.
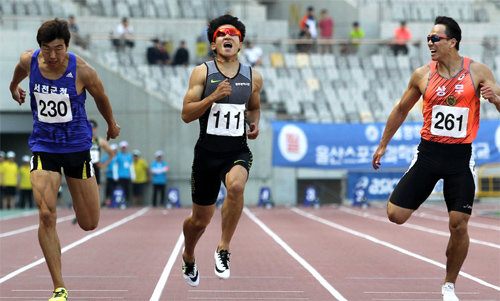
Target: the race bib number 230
pixel 53 108
pixel 449 121
pixel 226 119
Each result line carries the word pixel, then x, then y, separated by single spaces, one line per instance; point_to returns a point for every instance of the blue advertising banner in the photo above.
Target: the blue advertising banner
pixel 351 146
pixel 371 185
pixel 376 185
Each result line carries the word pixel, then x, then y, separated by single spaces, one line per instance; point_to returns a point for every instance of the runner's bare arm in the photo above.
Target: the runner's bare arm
pixel 399 113
pixel 20 73
pixel 253 110
pixel 488 87
pixel 194 107
pixel 92 83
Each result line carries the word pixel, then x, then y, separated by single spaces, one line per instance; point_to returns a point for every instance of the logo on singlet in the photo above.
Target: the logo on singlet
pixel 215 81
pixel 451 101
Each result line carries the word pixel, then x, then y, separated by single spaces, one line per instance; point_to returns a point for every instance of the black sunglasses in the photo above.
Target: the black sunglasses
pixel 435 38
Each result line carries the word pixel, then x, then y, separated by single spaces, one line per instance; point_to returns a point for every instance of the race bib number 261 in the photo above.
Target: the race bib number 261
pixel 53 108
pixel 449 121
pixel 226 119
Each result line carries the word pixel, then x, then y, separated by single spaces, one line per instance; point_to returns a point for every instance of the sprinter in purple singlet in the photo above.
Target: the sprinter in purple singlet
pixel 62 135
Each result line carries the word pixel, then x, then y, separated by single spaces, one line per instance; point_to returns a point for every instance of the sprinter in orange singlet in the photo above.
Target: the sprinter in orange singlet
pixel 451 86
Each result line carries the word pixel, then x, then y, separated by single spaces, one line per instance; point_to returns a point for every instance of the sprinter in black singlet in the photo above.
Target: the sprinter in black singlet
pixel 224 95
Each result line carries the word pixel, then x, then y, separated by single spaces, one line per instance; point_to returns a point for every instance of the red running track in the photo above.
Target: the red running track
pixel 331 253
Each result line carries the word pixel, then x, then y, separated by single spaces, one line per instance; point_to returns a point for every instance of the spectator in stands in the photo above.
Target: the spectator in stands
pixel 2 161
pixel 451 86
pixel 164 55
pixel 355 35
pixel 253 54
pixel 308 29
pixel 75 33
pixel 124 35
pixel 402 35
pixel 141 169
pixel 25 187
pixel 126 171
pixel 153 53
pixel 98 144
pixel 326 27
pixel 10 180
pixel 159 170
pixel 111 172
pixel 305 19
pixel 181 56
pixel 305 35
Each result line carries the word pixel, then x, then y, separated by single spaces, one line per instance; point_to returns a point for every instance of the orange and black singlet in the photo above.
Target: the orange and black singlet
pixel 451 107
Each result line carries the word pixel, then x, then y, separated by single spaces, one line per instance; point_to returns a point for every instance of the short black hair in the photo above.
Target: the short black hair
pixel 223 20
pixel 452 28
pixel 53 30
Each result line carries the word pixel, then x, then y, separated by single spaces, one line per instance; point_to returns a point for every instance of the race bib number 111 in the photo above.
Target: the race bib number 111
pixel 226 119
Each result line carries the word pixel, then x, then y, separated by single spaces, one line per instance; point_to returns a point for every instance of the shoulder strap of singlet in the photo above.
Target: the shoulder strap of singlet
pixel 467 62
pixel 246 71
pixel 34 57
pixel 71 62
pixel 211 68
pixel 433 66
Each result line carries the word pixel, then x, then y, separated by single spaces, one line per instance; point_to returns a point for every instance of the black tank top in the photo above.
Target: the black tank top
pixel 223 126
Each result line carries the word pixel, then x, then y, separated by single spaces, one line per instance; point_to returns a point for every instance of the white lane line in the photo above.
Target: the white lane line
pixel 394 278
pixel 72 290
pixel 296 256
pixel 76 243
pixel 415 227
pixel 244 298
pixel 421 293
pixel 72 298
pixel 445 219
pixel 93 276
pixel 245 291
pixel 389 245
pixel 166 271
pixel 34 227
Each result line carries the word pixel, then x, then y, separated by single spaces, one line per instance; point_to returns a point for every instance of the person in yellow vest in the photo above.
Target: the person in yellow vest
pixel 25 188
pixel 10 175
pixel 2 159
pixel 141 169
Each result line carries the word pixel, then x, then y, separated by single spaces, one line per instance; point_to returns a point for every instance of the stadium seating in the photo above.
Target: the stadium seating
pixel 309 87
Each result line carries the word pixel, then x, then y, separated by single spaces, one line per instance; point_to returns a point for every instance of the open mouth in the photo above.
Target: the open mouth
pixel 433 51
pixel 228 45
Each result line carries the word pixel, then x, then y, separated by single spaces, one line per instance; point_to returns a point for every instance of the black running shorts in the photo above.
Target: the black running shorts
pixel 75 165
pixel 210 168
pixel 434 161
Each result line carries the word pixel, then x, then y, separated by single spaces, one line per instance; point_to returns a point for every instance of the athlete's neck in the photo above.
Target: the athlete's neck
pixel 222 60
pixel 451 65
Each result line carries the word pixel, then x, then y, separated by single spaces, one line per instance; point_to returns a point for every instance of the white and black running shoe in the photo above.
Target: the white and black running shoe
pixel 448 292
pixel 190 273
pixel 222 264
